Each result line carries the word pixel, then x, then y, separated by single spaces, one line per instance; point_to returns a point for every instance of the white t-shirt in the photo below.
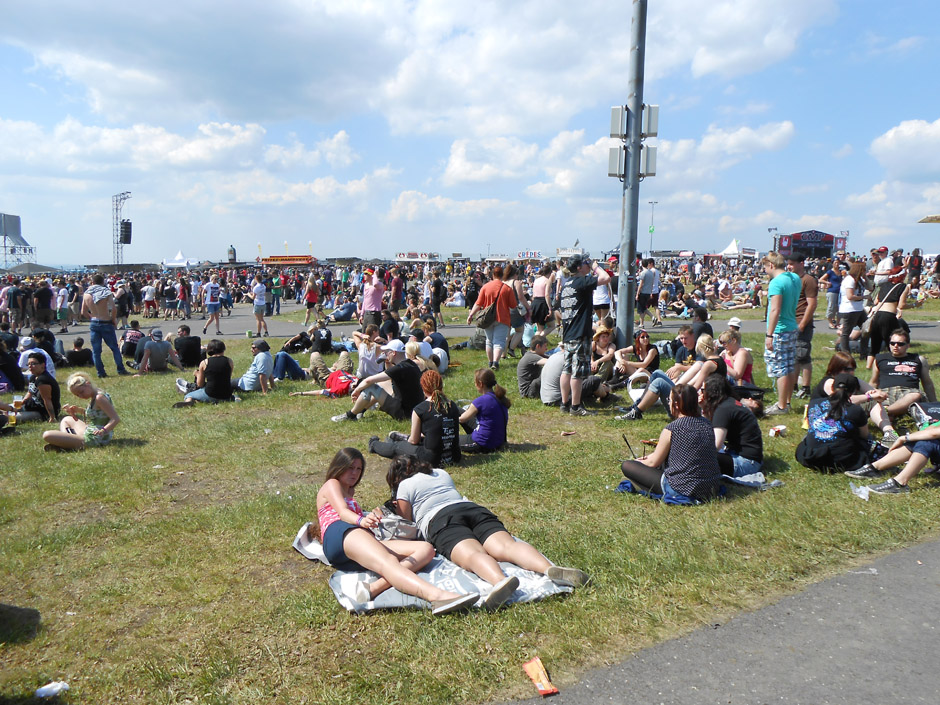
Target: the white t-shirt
pixel 150 292
pixel 428 494
pixel 259 291
pixel 211 293
pixel 848 287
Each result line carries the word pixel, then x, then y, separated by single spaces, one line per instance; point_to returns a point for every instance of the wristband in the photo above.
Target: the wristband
pixel 769 335
pixel 359 521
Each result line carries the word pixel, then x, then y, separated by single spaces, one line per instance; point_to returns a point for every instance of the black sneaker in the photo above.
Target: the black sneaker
pixel 866 471
pixel 564 408
pixel 632 414
pixel 579 410
pixel 891 486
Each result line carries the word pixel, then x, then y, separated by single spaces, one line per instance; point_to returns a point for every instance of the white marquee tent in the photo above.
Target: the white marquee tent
pixel 179 262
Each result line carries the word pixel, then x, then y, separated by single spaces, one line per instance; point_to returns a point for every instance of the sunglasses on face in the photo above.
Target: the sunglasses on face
pixel 897 342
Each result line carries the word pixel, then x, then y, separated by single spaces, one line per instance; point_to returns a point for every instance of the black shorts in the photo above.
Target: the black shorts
pixel 804 346
pixel 459 522
pixel 643 302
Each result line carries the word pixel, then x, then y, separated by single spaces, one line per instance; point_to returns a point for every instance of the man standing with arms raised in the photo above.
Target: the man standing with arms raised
pixel 805 311
pixel 577 297
pixel 98 305
pixel 780 340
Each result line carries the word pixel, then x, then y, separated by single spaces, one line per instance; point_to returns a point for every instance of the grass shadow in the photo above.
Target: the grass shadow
pixel 128 443
pixel 772 464
pixel 18 624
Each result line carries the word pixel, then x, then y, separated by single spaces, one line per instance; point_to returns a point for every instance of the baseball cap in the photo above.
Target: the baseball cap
pixel 26 343
pixel 156 334
pixel 575 261
pixel 735 322
pixel 394 345
pixel 796 256
pixel 426 349
pixel 883 249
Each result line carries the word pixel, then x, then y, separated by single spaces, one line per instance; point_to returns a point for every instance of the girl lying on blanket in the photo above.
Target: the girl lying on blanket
pixel 687 449
pixel 349 544
pixel 466 533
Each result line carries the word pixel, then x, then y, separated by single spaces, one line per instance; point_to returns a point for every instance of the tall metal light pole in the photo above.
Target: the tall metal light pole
pixel 774 231
pixel 652 225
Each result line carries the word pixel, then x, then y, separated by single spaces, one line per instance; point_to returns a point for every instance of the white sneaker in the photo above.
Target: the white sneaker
pixel 181 386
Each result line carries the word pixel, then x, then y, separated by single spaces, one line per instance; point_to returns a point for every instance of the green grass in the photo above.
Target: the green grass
pixel 163 570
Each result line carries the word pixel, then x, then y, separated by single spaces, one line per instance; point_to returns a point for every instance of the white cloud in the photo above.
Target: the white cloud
pixel 909 151
pixel 413 206
pixel 488 160
pixel 336 150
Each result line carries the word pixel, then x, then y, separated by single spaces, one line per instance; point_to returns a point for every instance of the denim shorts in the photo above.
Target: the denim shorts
pixel 260 309
pixel 333 546
pixel 929 449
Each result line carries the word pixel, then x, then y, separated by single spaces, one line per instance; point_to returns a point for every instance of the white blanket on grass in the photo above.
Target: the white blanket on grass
pixel 440 572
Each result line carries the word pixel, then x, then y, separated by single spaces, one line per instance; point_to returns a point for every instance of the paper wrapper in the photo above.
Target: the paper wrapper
pixel 537 673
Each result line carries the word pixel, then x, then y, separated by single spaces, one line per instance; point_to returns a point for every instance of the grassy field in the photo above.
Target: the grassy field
pixel 163 570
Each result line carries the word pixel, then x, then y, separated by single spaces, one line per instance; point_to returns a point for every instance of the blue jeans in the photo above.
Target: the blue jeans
pixel 661 385
pixel 286 367
pixel 104 331
pixel 744 466
pixel 200 395
pixel 276 303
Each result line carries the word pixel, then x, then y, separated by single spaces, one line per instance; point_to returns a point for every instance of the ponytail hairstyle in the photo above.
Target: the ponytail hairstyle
pixel 370 331
pixel 433 387
pixel 486 378
pixel 401 468
pixel 843 386
pixel 705 345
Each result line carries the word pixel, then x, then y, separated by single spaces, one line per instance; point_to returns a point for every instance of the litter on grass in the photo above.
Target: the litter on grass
pixel 50 690
pixel 859 491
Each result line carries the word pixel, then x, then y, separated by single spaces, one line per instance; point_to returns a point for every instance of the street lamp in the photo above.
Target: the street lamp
pixel 652 227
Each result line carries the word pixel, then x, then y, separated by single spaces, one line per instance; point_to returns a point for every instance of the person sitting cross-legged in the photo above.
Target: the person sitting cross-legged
pixel 397 390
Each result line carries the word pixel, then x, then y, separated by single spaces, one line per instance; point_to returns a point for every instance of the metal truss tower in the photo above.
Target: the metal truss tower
pixel 117 203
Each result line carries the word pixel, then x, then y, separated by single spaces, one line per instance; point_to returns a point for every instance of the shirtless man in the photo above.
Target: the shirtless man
pixel 98 305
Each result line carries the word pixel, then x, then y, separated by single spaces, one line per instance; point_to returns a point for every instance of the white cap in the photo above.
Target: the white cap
pixel 735 321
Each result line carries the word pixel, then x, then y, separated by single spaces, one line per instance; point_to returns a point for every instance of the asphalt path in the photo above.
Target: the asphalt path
pixel 869 635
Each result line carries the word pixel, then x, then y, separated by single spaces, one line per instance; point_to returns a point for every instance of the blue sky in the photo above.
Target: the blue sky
pixel 369 128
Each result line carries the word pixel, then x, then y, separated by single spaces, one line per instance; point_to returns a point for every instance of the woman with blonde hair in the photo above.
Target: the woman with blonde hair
pixel 738 359
pixel 95 428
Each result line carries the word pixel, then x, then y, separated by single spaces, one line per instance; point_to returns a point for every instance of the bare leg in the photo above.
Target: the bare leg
pixel 503 547
pixel 362 547
pixel 576 383
pixel 412 555
pixel 470 555
pixel 914 466
pixel 893 458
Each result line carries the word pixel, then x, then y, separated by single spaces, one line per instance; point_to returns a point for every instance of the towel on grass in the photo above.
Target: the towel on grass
pixel 755 481
pixel 440 572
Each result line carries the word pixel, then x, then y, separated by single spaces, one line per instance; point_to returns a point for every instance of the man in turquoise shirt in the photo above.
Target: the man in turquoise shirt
pixel 780 339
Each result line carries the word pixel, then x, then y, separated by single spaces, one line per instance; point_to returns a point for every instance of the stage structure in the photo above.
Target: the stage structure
pixel 122 228
pixel 15 249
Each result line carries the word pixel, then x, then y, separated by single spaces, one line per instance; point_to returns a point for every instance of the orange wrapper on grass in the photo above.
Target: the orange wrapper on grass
pixel 537 673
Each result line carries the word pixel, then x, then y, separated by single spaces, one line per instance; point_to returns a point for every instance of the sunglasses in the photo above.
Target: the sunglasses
pixel 897 342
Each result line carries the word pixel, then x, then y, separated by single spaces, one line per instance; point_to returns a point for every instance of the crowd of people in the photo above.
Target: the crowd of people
pixel 396 363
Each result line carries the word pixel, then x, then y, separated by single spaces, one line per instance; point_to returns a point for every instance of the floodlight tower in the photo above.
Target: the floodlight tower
pixel 117 205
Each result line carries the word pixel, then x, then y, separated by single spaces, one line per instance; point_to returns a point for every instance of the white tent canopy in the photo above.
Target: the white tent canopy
pixel 732 250
pixel 179 262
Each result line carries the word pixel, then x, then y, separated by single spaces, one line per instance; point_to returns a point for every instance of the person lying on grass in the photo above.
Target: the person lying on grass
pixel 95 428
pixel 685 460
pixel 435 428
pixel 349 544
pixel 466 533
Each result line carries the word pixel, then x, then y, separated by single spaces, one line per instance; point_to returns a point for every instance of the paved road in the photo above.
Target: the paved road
pixel 869 635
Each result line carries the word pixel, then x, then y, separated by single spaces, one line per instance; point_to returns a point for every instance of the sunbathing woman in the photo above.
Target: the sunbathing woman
pixel 435 428
pixel 466 533
pixel 685 461
pixel 96 428
pixel 738 359
pixel 350 545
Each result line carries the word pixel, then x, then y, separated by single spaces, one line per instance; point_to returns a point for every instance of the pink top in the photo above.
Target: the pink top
pixel 326 515
pixel 748 375
pixel 539 288
pixel 372 296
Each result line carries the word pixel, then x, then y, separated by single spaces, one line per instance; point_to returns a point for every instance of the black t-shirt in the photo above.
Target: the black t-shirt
pixel 577 307
pixel 441 434
pixel 743 436
pixel 684 356
pixel 79 358
pixel 44 296
pixel 700 327
pixel 898 372
pixel 323 340
pixel 439 341
pixel 189 349
pixel 437 290
pixel 36 402
pixel 389 329
pixel 218 377
pixel 406 381
pixel 9 366
pixel 15 297
pixel 11 340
